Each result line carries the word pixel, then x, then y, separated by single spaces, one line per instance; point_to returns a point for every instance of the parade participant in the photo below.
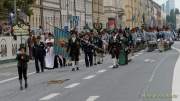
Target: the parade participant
pixel 151 39
pixel 160 40
pixel 88 49
pixel 130 42
pixel 39 54
pixel 98 54
pixel 114 48
pixel 30 45
pixel 74 50
pixel 134 38
pixel 22 65
pixel 105 39
pixel 49 58
pixel 124 50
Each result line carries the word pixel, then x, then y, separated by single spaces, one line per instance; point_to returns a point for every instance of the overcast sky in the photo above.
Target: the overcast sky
pixel 177 2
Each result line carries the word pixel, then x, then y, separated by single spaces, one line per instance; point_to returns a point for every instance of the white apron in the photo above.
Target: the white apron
pixel 49 58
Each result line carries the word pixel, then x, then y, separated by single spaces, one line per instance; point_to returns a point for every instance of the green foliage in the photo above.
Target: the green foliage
pixel 23 5
pixel 177 11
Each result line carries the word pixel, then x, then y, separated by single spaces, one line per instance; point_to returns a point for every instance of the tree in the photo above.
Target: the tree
pixel 3 11
pixel 177 11
pixel 22 5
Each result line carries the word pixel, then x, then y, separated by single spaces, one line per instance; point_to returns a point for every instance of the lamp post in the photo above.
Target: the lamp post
pixel 85 12
pixel 60 8
pixel 15 11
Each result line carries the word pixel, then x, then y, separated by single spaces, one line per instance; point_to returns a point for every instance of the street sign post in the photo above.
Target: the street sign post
pixel 21 30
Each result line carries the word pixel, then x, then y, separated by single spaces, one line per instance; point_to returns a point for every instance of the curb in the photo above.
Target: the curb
pixel 12 64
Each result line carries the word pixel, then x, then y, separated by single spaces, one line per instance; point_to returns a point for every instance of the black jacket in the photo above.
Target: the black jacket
pixel 97 41
pixel 22 62
pixel 73 47
pixel 39 51
pixel 87 47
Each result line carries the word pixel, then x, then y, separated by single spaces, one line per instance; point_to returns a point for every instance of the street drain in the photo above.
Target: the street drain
pixel 57 81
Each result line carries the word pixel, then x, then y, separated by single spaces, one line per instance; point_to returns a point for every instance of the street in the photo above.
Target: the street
pixel 148 77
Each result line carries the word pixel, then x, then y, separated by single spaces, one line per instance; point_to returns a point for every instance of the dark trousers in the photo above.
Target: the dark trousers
pixel 22 72
pixel 58 59
pixel 89 59
pixel 42 63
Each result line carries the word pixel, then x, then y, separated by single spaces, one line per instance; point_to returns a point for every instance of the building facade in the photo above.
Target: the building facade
pixel 113 11
pixel 178 21
pixel 61 13
pixel 170 5
pixel 98 12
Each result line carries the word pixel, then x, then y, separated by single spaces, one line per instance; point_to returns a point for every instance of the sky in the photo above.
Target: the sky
pixel 177 2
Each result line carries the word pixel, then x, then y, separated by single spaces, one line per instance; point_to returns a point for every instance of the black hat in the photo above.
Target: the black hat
pixel 73 32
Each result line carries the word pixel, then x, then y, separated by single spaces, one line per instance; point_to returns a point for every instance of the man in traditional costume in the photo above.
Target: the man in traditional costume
pixel 88 49
pixel 49 58
pixel 114 48
pixel 98 52
pixel 74 50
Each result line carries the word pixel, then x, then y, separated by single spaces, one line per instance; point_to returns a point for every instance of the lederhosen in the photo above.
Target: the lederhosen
pixel 74 49
pixel 114 46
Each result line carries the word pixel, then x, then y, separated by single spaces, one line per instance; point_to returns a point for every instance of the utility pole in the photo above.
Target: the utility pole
pixel 85 12
pixel 98 12
pixel 132 12
pixel 60 11
pixel 67 5
pixel 74 20
pixel 42 14
pixel 15 11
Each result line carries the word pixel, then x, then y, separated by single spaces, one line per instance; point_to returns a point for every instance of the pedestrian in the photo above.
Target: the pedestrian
pixel 22 65
pixel 88 49
pixel 39 54
pixel 114 48
pixel 98 52
pixel 50 56
pixel 30 45
pixel 74 50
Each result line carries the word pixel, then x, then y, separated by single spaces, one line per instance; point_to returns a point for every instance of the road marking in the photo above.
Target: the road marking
pixel 132 57
pixel 151 78
pixel 10 79
pixel 152 61
pixel 72 85
pixel 89 77
pixel 92 98
pixel 6 74
pixel 140 53
pixel 102 71
pixel 156 68
pixel 81 61
pixel 50 96
pixel 136 55
pixel 146 60
pixel 110 66
pixel 176 79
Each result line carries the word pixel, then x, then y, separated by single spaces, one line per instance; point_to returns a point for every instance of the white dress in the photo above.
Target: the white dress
pixel 49 59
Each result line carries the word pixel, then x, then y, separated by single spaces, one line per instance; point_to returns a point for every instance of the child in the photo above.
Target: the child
pixel 22 65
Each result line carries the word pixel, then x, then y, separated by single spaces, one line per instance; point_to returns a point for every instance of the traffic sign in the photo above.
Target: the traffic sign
pixel 21 30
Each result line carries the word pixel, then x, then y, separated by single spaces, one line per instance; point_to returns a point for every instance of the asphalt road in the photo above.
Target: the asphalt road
pixel 148 77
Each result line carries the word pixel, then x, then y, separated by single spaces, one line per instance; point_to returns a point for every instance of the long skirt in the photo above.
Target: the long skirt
pixel 49 59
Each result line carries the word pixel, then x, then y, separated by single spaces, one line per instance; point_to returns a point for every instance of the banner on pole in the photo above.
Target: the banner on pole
pixel 61 38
